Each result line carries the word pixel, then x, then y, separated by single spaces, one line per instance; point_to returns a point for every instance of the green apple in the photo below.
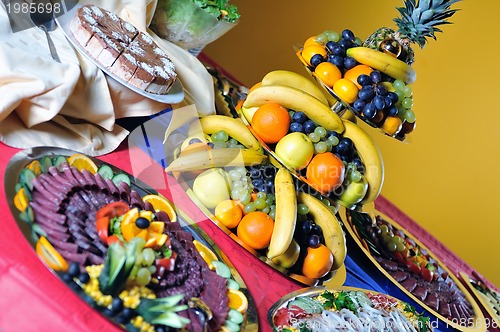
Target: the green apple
pixel 289 257
pixel 354 193
pixel 295 150
pixel 212 187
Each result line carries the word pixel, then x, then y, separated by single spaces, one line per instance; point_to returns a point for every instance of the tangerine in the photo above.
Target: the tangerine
pixel 229 213
pixel 317 262
pixel 310 51
pixel 255 229
pixel 328 73
pixel 392 125
pixel 346 90
pixel 325 172
pixel 271 122
pixel 311 41
pixel 353 73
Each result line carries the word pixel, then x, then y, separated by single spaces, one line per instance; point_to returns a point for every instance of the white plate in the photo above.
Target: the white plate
pixel 174 95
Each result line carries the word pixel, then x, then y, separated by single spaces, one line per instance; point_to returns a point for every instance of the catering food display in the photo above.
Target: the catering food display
pixel 414 269
pixel 123 248
pixel 260 206
pixel 345 309
pixel 292 119
pixel 373 78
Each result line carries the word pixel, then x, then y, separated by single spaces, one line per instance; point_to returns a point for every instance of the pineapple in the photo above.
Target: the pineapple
pixel 419 20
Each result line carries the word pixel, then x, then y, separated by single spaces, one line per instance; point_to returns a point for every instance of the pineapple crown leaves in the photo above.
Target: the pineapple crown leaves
pixel 420 18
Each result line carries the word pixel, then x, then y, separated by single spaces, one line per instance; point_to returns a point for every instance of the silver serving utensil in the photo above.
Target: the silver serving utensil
pixel 201 310
pixel 45 21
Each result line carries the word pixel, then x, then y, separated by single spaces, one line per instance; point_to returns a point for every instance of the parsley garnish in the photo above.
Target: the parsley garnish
pixel 220 9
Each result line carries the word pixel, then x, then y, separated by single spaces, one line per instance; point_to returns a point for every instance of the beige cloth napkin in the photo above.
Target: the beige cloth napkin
pixel 73 104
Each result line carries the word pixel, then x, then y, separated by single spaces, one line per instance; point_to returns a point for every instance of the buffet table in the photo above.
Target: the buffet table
pixel 33 298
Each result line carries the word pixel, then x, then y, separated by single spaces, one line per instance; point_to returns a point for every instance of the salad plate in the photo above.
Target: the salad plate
pixel 414 269
pixel 175 93
pixel 344 308
pixel 123 248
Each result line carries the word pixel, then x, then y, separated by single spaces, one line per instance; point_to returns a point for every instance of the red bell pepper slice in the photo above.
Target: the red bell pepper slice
pixel 112 239
pixel 103 217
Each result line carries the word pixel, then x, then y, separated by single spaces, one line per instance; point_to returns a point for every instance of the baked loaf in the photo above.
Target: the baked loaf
pixel 124 50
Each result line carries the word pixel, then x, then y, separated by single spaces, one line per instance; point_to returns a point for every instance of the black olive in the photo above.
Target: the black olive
pixel 142 223
pixel 84 277
pixel 74 269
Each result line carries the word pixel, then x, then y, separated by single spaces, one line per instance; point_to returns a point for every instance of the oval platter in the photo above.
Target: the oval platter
pixel 415 270
pixel 55 244
pixel 487 297
pixel 345 308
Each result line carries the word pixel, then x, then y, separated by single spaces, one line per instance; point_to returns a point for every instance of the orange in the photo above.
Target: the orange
pixel 328 73
pixel 81 162
pixel 392 125
pixel 346 90
pixel 229 213
pixel 161 204
pixel 311 50
pixel 205 253
pixel 50 256
pixel 325 172
pixel 353 73
pixel 255 86
pixel 311 41
pixel 271 122
pixel 237 300
pixel 255 229
pixel 317 262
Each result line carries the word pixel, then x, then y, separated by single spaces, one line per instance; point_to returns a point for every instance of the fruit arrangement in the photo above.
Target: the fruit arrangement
pixel 292 119
pixel 122 248
pixel 256 203
pixel 348 309
pixel 373 78
pixel 414 269
pixel 487 296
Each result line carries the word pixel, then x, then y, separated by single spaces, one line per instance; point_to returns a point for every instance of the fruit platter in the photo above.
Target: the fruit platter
pixel 260 206
pixel 329 153
pixel 487 297
pixel 373 78
pixel 122 247
pixel 416 271
pixel 344 308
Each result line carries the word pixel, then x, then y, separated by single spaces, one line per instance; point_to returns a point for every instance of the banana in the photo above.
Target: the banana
pixel 332 232
pixel 294 80
pixel 286 213
pixel 204 159
pixel 383 62
pixel 370 155
pixel 296 100
pixel 233 127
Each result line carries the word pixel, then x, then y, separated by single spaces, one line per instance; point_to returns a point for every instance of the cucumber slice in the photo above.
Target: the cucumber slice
pixel 26 177
pixel 232 326
pixel 46 164
pixel 109 281
pixel 235 316
pixel 121 178
pixel 222 269
pixel 105 171
pixel 232 284
pixel 27 215
pixel 57 161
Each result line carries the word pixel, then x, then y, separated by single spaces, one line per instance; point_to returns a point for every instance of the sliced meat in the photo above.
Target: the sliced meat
pixel 444 309
pixel 80 178
pixel 214 295
pixel 95 259
pixel 420 292
pixel 409 284
pixel 454 311
pixel 387 264
pixel 432 300
pixel 112 188
pixel 162 216
pixel 48 225
pixel 37 184
pixel 136 200
pixel 64 246
pixel 399 276
pixel 41 213
pixel 101 183
pixel 46 203
pixel 56 235
pixel 80 258
pixel 89 178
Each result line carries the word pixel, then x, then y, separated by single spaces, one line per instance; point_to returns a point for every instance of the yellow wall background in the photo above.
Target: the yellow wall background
pixel 446 178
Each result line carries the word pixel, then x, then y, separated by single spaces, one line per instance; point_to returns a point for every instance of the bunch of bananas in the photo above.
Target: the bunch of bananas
pixel 295 92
